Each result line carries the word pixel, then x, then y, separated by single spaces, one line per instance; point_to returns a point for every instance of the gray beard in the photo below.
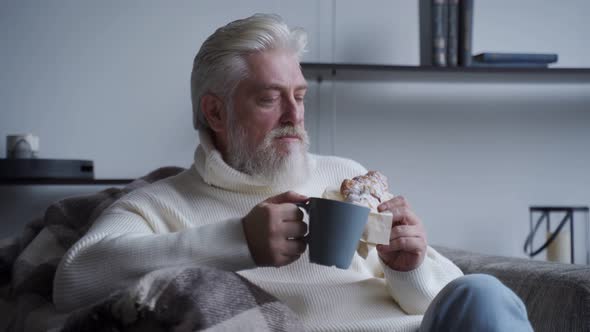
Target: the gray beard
pixel 265 163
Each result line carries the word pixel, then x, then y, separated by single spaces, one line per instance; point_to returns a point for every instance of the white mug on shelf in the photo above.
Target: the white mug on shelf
pixel 23 146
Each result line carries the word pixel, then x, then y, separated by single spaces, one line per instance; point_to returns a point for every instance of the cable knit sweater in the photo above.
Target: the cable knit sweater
pixel 195 218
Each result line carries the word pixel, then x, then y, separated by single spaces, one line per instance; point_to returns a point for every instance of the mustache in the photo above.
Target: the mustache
pixel 289 131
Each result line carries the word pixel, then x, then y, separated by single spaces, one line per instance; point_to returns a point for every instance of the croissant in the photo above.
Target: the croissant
pixel 369 190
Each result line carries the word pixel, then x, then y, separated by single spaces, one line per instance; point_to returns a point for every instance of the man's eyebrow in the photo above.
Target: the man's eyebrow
pixel 281 87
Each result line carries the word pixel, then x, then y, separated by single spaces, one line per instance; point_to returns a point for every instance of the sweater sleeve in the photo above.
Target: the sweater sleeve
pixel 414 290
pixel 122 246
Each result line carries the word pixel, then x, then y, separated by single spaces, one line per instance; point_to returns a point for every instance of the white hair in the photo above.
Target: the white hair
pixel 220 63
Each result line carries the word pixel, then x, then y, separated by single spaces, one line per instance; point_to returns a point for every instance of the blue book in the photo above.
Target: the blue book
pixel 475 63
pixel 516 57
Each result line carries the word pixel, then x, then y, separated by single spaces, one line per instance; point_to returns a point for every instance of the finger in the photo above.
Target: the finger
pixel 404 216
pixel 407 244
pixel 287 197
pixel 384 248
pixel 406 231
pixel 294 248
pixel 294 229
pixel 396 202
pixel 288 211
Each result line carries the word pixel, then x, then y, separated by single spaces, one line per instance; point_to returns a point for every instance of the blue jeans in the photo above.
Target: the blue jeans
pixel 476 302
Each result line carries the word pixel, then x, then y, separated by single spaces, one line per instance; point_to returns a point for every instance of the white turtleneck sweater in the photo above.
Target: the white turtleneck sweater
pixel 195 218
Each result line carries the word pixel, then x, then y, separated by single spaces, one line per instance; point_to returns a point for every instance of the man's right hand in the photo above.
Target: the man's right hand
pixel 275 229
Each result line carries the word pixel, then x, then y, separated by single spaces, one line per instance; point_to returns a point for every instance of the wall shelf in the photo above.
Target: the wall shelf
pixel 389 73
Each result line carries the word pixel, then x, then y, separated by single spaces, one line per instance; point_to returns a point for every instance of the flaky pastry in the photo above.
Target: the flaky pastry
pixel 368 190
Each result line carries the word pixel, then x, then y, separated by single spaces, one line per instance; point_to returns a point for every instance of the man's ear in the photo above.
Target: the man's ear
pixel 214 110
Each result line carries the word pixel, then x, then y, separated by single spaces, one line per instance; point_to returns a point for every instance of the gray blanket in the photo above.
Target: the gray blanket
pixel 187 299
pixel 184 298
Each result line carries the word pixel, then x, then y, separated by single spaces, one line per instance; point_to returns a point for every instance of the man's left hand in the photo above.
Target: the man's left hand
pixel 407 243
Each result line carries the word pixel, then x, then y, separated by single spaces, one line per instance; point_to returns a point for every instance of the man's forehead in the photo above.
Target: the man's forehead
pixel 275 70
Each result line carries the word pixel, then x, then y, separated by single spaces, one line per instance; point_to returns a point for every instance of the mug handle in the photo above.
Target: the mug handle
pixel 305 206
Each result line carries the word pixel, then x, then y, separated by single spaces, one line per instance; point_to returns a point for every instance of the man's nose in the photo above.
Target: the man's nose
pixel 292 112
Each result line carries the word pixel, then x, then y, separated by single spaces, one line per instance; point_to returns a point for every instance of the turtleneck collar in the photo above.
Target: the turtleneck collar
pixel 212 168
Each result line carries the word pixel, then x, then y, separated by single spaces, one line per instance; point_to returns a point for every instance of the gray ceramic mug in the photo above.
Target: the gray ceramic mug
pixel 334 230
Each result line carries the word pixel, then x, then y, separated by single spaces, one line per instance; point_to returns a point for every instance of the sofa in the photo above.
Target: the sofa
pixel 557 296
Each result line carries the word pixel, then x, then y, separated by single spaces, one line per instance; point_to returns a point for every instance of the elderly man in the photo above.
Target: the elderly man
pixel 234 209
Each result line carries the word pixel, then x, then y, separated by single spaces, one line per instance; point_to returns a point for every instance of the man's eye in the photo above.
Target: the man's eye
pixel 268 100
pixel 300 98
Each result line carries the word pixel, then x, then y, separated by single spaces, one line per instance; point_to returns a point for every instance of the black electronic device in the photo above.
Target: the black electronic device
pixel 45 169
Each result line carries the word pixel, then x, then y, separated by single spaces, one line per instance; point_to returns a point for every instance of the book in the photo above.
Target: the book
pixel 425 13
pixel 516 57
pixel 465 31
pixel 453 34
pixel 476 63
pixel 439 32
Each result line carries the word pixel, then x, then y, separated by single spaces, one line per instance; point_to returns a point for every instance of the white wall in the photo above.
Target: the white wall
pixel 108 81
pixel 543 26
pixel 471 166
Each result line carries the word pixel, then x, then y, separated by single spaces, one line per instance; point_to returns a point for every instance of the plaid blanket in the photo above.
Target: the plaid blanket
pixel 188 299
pixel 184 298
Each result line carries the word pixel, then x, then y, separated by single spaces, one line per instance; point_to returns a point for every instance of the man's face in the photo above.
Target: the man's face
pixel 266 135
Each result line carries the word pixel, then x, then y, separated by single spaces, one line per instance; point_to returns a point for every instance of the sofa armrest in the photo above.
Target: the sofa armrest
pixel 557 296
